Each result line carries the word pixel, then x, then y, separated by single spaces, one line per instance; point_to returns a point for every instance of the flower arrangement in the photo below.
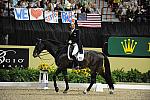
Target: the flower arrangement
pixel 44 67
pixel 85 72
pixel 47 67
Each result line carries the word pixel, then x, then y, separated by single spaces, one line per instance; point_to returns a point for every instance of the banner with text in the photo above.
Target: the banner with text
pixel 66 16
pixel 21 14
pixel 26 14
pixel 51 17
pixel 14 57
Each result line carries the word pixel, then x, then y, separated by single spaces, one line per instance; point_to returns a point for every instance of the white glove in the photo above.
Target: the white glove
pixel 70 41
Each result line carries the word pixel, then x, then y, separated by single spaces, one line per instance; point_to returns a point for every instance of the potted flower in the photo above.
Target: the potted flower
pixel 43 77
pixel 44 67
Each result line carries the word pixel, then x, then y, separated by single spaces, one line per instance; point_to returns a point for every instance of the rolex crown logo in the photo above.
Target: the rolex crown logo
pixel 128 46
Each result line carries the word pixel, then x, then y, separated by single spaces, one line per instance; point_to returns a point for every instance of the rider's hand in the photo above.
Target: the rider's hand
pixel 70 42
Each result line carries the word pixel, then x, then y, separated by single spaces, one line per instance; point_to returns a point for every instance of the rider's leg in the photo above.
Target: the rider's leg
pixel 75 62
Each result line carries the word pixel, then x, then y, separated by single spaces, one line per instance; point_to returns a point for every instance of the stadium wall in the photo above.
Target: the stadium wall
pixel 142 64
pixel 24 33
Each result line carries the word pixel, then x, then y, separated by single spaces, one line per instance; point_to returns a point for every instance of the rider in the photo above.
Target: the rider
pixel 74 40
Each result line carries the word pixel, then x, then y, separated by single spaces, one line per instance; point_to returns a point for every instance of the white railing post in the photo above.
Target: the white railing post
pixel 43 79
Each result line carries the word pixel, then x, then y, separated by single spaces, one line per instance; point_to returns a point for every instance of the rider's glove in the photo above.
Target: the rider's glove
pixel 70 42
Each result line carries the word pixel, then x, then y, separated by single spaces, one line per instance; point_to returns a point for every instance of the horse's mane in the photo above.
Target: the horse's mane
pixel 59 46
pixel 55 42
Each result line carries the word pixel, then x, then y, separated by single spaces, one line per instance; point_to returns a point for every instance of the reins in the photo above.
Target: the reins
pixel 45 53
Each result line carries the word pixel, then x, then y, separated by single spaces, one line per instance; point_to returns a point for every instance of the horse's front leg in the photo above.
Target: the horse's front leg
pixel 93 80
pixel 64 71
pixel 54 78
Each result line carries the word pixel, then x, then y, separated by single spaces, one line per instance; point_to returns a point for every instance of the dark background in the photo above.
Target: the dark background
pixel 26 32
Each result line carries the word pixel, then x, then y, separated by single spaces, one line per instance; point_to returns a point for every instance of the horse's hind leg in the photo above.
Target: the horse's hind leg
pixel 54 78
pixel 64 71
pixel 108 80
pixel 93 80
pixel 107 74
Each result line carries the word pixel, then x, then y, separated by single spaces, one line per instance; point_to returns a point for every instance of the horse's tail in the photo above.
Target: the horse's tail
pixel 106 64
pixel 108 71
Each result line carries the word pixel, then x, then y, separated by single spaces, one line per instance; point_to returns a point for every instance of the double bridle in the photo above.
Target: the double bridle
pixel 44 53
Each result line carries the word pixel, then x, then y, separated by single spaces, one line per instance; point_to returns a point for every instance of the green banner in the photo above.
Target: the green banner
pixel 129 46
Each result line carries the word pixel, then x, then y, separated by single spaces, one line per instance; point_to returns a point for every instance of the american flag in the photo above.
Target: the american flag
pixel 89 20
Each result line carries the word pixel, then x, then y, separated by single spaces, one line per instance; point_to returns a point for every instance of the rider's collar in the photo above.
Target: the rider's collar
pixel 72 30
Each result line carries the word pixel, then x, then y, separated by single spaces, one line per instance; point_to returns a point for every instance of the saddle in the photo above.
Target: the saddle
pixel 73 50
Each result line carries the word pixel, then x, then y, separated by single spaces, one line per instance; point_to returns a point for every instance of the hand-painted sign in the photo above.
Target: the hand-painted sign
pixel 40 14
pixel 36 13
pixel 21 14
pixel 129 46
pixel 14 57
pixel 66 16
pixel 51 16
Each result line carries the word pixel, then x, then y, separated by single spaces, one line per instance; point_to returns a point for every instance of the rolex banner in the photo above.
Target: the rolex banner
pixel 129 46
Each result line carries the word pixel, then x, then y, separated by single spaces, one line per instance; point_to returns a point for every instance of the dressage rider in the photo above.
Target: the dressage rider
pixel 74 40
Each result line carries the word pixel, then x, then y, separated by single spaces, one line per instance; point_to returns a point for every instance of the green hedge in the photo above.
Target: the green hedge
pixel 19 75
pixel 82 76
pixel 133 75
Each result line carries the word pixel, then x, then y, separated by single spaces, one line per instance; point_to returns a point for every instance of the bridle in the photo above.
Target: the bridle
pixel 44 53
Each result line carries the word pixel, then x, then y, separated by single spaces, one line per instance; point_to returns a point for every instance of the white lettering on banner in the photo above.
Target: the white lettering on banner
pixel 3 59
pixel 9 66
pixel 7 60
pixel 3 54
pixel 14 60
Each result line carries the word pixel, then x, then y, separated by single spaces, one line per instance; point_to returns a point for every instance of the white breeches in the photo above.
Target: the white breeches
pixel 76 49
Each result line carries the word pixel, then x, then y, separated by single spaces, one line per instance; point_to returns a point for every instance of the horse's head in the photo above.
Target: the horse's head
pixel 39 47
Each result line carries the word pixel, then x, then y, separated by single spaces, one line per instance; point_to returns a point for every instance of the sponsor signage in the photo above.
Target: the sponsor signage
pixel 14 57
pixel 129 46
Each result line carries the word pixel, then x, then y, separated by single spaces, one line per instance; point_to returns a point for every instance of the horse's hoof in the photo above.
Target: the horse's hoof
pixel 111 91
pixel 56 89
pixel 85 92
pixel 65 92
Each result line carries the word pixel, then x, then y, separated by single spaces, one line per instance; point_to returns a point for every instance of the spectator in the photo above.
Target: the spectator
pixel 68 6
pixel 58 7
pixel 18 5
pixel 50 6
pixel 24 3
pixel 138 14
pixel 1 7
pixel 8 9
pixel 85 9
pixel 130 14
pixel 78 8
pixel 31 4
pixel 40 4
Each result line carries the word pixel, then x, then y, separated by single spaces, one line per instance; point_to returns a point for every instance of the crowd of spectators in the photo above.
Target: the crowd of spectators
pixel 6 9
pixel 125 10
pixel 132 10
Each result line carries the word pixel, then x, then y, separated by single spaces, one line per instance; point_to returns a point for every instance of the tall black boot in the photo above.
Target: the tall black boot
pixel 75 63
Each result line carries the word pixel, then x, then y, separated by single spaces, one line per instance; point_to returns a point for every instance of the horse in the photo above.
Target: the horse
pixel 92 59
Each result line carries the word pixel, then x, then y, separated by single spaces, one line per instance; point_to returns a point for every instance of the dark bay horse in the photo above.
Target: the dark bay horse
pixel 92 59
